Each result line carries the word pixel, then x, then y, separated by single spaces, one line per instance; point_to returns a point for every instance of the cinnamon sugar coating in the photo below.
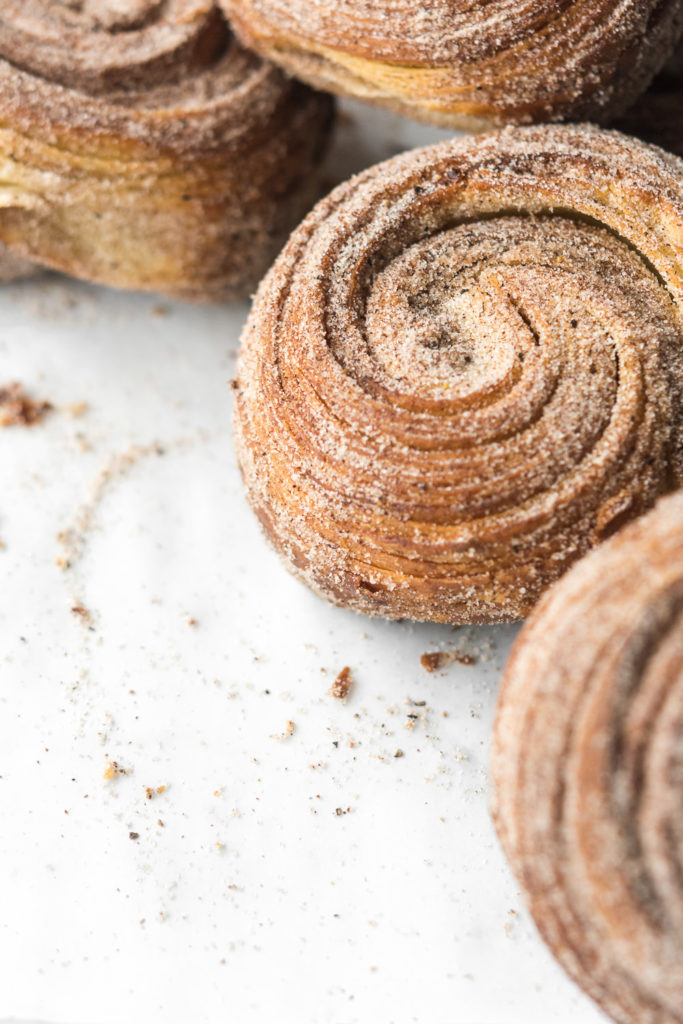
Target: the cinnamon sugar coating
pixel 141 146
pixel 465 370
pixel 470 63
pixel 588 769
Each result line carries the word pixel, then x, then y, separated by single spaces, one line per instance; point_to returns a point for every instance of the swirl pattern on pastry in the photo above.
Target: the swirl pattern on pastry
pixel 470 63
pixel 141 146
pixel 464 370
pixel 588 769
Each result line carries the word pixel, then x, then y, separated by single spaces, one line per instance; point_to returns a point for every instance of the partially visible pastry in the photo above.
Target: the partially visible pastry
pixel 141 146
pixel 465 370
pixel 470 63
pixel 588 769
pixel 13 268
pixel 657 116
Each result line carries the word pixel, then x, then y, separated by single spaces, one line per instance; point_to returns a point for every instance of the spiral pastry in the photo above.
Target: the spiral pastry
pixel 588 769
pixel 142 147
pixel 470 63
pixel 465 369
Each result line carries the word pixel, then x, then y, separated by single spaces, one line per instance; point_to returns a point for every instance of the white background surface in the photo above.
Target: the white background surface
pixel 255 901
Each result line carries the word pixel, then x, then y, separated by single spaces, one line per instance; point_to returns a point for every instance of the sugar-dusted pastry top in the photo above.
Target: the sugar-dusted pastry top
pixel 470 62
pixel 588 769
pixel 465 369
pixel 142 146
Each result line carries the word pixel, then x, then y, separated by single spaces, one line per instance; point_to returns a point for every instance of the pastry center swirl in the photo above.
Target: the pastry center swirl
pixel 485 308
pixel 113 46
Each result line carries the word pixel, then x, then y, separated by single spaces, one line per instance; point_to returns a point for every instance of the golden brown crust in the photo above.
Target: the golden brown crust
pixel 588 769
pixel 465 369
pixel 143 147
pixel 469 63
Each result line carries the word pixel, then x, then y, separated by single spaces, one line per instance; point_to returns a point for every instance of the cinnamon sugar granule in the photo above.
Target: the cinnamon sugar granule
pixel 17 409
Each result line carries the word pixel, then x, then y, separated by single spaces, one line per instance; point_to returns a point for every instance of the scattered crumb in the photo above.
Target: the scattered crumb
pixel 133 835
pixel 113 768
pixel 508 924
pixel 342 684
pixel 77 409
pixel 159 310
pixel 17 409
pixel 192 622
pixel 431 661
pixel 151 792
pixel 160 823
pixel 289 731
pixel 82 613
pixel 399 753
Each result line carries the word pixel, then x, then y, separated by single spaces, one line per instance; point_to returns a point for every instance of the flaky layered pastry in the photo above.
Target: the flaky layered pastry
pixel 464 370
pixel 142 147
pixel 588 769
pixel 470 63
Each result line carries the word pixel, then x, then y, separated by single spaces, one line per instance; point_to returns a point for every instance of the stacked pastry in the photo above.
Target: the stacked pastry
pixel 143 147
pixel 470 64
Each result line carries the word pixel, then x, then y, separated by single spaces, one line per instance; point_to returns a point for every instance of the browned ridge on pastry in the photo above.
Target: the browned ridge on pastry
pixel 143 147
pixel 464 370
pixel 470 63
pixel 588 769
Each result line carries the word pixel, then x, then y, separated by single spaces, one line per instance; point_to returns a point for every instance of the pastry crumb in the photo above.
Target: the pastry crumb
pixel 112 769
pixel 17 409
pixel 341 686
pixel 431 661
